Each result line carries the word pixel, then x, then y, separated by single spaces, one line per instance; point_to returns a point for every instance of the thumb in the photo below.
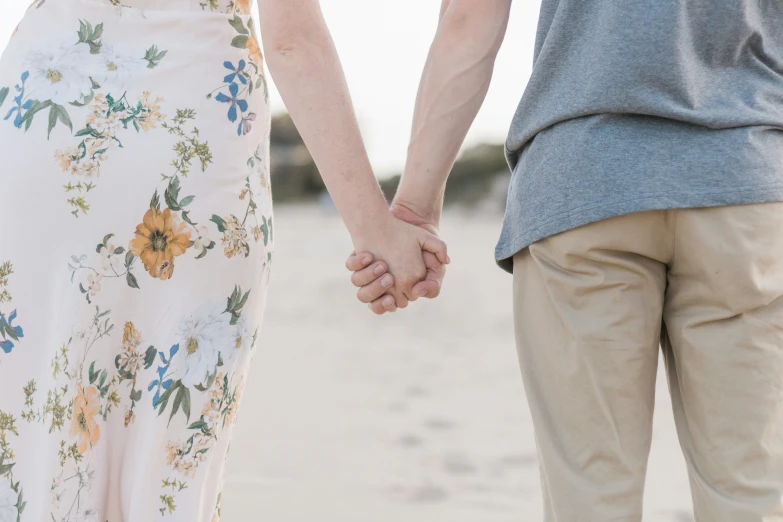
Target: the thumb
pixel 435 245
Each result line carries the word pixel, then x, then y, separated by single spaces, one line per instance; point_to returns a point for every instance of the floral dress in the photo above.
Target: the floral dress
pixel 136 237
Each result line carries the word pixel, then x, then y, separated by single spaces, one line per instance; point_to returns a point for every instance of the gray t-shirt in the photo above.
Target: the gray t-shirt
pixel 645 104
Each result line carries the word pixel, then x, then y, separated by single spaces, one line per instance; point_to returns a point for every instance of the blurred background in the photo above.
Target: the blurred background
pixel 419 416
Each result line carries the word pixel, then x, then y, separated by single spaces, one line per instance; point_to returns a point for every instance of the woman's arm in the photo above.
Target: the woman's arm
pixel 453 87
pixel 306 68
pixel 303 61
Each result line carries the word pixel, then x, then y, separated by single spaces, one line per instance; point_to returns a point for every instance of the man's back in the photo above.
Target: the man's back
pixel 638 105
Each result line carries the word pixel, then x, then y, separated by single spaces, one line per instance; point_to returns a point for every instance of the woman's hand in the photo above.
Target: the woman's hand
pixel 373 280
pixel 402 247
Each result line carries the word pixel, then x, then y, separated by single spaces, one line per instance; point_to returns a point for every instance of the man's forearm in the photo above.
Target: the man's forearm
pixel 453 87
pixel 306 68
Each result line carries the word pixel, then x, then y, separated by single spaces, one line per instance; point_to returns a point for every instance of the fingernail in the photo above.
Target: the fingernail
pixel 387 281
pixel 388 302
pixel 366 260
pixel 379 269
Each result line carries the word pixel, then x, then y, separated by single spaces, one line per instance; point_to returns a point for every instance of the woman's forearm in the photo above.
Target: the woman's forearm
pixel 303 61
pixel 453 87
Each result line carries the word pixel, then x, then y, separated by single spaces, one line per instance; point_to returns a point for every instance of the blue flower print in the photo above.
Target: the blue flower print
pixel 8 330
pixel 21 103
pixel 237 72
pixel 161 383
pixel 235 102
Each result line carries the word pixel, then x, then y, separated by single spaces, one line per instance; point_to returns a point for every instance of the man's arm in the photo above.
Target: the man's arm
pixel 453 87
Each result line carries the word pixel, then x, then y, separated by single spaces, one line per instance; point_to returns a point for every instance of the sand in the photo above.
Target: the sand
pixel 415 417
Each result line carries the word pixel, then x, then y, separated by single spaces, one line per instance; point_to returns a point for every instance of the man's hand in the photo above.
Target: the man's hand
pixel 374 281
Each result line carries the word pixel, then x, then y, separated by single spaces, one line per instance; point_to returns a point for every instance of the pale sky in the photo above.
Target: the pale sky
pixel 383 45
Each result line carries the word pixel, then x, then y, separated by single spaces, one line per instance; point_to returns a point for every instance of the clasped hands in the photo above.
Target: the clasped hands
pixel 400 262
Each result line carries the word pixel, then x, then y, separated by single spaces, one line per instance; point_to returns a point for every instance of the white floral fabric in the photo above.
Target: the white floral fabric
pixel 136 240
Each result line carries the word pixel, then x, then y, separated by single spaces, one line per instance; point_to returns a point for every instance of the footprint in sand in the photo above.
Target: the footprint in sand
pixel 416 391
pixel 428 495
pixel 458 464
pixel 411 441
pixel 437 424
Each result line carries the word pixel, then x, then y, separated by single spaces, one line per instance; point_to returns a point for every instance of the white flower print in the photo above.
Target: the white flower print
pixel 203 242
pixel 202 336
pixel 94 283
pixel 61 75
pixel 201 232
pixel 109 261
pixel 115 66
pixel 8 501
pixel 241 337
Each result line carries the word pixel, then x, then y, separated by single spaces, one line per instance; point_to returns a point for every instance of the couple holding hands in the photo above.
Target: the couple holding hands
pixel 644 215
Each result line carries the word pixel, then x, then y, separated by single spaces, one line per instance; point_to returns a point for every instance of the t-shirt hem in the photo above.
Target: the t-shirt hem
pixel 509 246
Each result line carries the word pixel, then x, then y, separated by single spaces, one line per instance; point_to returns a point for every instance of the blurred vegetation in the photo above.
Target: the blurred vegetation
pixel 295 176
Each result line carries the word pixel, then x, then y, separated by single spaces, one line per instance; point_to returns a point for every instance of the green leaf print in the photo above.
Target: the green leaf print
pixel 149 357
pixel 171 195
pixel 240 42
pixel 153 56
pixel 35 108
pixel 265 229
pixel 235 304
pixel 3 95
pixel 182 399
pixel 131 280
pixel 238 25
pixel 86 99
pixel 90 36
pixel 58 113
pixel 155 201
pixel 181 394
pixel 219 221
pixel 199 425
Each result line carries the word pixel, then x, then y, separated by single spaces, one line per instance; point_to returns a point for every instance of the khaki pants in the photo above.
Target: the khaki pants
pixel 591 305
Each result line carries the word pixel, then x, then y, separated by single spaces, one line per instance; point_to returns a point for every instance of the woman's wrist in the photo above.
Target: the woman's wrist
pixel 372 225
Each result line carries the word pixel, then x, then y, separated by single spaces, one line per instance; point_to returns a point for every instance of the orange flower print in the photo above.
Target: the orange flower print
pixel 255 51
pixel 243 6
pixel 83 425
pixel 160 237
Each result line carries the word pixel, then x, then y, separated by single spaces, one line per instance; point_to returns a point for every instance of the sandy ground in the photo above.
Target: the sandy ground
pixel 415 417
